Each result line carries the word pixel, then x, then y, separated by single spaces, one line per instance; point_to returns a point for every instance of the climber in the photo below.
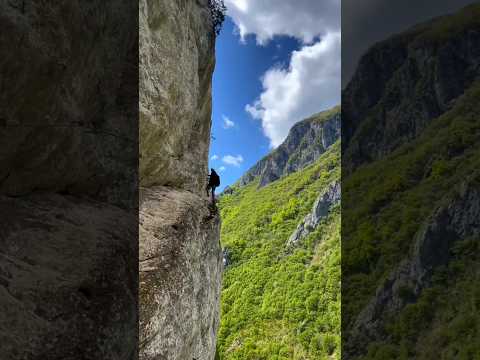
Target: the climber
pixel 213 182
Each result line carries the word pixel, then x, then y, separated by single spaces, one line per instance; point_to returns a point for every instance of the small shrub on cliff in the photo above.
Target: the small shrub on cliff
pixel 217 12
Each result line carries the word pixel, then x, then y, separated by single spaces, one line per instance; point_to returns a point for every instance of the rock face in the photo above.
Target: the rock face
pixel 306 141
pixel 177 59
pixel 180 254
pixel 68 180
pixel 403 83
pixel 180 275
pixel 68 279
pixel 228 190
pixel 321 208
pixel 68 105
pixel 227 261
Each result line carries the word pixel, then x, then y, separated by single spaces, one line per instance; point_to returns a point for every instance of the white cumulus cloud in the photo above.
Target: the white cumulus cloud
pixel 233 160
pixel 303 19
pixel 227 123
pixel 214 157
pixel 312 80
pixel 311 83
pixel 222 168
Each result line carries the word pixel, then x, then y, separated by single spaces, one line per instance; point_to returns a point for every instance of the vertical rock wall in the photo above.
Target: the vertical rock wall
pixel 180 254
pixel 177 58
pixel 68 180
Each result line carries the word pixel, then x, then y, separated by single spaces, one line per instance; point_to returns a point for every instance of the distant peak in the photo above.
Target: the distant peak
pixel 306 141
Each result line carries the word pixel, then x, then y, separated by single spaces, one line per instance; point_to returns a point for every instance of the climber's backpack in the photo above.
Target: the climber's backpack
pixel 214 179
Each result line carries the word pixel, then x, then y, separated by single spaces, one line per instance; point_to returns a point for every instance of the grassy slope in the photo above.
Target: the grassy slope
pixel 277 304
pixel 396 195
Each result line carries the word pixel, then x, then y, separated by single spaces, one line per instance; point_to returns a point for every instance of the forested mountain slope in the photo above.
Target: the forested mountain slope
pixel 411 195
pixel 281 288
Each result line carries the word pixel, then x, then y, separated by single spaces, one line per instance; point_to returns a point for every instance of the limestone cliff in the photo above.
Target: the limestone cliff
pixel 180 254
pixel 176 65
pixel 306 141
pixel 68 174
pixel 322 207
pixel 180 274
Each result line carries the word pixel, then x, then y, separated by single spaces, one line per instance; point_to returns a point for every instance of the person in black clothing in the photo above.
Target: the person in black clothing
pixel 213 182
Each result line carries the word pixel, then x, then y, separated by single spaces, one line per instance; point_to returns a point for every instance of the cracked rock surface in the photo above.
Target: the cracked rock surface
pixel 180 275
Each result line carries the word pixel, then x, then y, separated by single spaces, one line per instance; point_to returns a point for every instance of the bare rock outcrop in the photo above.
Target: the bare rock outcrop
pixel 321 208
pixel 177 59
pixel 180 275
pixel 305 143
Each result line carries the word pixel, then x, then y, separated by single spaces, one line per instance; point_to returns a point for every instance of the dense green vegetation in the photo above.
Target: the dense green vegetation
pixel 280 303
pixel 386 202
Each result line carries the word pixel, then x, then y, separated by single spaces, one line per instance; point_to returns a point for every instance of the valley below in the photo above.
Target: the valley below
pixel 281 240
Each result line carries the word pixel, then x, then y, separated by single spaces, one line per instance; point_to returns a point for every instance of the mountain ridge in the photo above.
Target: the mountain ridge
pixel 405 81
pixel 306 141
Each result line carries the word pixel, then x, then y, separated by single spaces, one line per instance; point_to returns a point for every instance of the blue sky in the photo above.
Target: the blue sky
pixel 277 63
pixel 236 83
